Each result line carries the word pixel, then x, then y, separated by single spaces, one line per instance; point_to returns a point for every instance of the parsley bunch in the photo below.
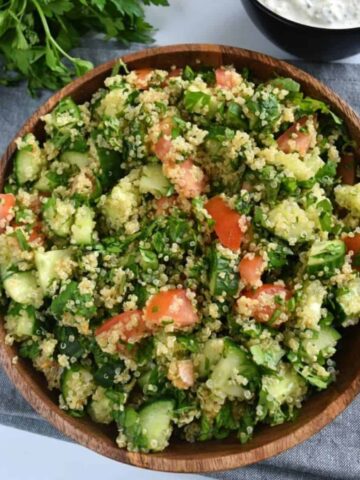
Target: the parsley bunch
pixel 37 35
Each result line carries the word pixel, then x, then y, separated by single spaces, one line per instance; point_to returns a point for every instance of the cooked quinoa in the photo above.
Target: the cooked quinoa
pixel 180 254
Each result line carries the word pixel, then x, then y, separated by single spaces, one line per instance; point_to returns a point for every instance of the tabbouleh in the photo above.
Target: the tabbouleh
pixel 179 254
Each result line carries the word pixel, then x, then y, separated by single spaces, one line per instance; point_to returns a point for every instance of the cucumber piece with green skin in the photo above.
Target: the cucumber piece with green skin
pixel 22 287
pixel 155 421
pixel 223 278
pixel 235 361
pixel 44 184
pixel 309 306
pixel 79 159
pixel 111 170
pixel 321 345
pixel 48 265
pixel 209 356
pixel 70 343
pixel 83 226
pixel 267 355
pixel 49 180
pixel 348 299
pixel 72 113
pixel 285 388
pixel 29 162
pixel 77 384
pixel 153 180
pixel 148 260
pixel 151 381
pixel 150 428
pixel 59 216
pixel 20 322
pixel 100 407
pixel 325 257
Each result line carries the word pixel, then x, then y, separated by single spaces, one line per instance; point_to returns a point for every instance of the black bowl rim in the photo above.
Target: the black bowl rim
pixel 298 25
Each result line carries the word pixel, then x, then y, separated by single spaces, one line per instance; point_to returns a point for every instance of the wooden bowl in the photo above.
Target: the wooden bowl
pixel 209 456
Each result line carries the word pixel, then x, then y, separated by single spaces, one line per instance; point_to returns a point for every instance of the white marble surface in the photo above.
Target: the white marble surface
pixel 32 457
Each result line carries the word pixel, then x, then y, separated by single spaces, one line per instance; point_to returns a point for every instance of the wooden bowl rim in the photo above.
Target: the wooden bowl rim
pixel 210 462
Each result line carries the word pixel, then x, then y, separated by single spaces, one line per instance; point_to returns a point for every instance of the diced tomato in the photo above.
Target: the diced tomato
pixel 352 243
pixel 130 326
pixel 266 302
pixel 181 374
pixel 163 204
pixel 294 140
pixel 176 72
pixel 163 145
pixel 162 148
pixel 188 178
pixel 7 202
pixel 346 169
pixel 227 223
pixel 36 234
pixel 36 204
pixel 251 269
pixel 172 305
pixel 142 78
pixel 224 78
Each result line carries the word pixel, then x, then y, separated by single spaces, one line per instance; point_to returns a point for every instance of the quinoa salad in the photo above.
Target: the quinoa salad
pixel 180 254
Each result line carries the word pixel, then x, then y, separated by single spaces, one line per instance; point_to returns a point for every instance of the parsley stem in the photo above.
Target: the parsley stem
pixel 48 33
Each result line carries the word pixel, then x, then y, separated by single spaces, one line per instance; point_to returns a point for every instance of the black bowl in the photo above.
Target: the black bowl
pixel 311 43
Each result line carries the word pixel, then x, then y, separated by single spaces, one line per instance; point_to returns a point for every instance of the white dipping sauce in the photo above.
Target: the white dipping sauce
pixel 318 13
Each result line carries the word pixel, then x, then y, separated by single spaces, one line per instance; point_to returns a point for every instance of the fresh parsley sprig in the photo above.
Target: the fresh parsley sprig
pixel 37 35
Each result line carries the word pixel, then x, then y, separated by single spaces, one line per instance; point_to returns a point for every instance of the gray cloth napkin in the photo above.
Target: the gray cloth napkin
pixel 334 452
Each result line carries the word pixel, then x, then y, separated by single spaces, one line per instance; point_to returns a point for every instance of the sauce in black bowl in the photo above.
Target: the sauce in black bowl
pixel 309 42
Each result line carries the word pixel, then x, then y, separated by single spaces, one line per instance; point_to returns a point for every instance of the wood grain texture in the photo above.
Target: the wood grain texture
pixel 212 455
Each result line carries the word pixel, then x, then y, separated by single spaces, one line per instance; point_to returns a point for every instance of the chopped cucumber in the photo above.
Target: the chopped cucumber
pixel 20 321
pixel 49 180
pixel 155 422
pixel 111 170
pixel 322 343
pixel 235 362
pixel 325 257
pixel 209 356
pixel 280 394
pixel 150 428
pixel 308 311
pixel 48 265
pixel 58 214
pixel 223 279
pixel 79 159
pixel 348 196
pixel 70 343
pixel 29 161
pixel 290 222
pixel 267 355
pixel 44 183
pixel 348 298
pixel 153 180
pixel 22 287
pixel 77 384
pixel 123 201
pixel 83 226
pixel 101 407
